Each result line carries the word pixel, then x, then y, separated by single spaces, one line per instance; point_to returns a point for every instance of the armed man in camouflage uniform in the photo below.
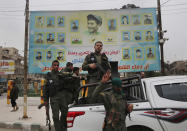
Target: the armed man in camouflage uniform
pixel 55 91
pixel 115 104
pixel 96 64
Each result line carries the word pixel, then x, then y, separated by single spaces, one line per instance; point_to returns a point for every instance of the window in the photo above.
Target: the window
pixel 6 52
pixel 174 91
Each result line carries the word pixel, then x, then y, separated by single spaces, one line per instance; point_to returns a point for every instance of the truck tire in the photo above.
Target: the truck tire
pixel 139 128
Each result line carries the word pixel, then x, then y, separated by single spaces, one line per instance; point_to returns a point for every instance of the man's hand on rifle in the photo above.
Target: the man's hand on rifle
pixel 92 66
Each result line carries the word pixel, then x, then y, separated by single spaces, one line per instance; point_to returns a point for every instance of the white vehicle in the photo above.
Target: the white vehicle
pixel 160 104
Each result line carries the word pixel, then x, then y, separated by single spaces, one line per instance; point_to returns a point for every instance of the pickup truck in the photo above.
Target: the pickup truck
pixel 160 104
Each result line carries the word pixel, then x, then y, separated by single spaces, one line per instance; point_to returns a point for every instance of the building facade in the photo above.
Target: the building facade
pixel 11 53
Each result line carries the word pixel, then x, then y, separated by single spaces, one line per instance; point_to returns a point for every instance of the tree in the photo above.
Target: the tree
pixel 129 6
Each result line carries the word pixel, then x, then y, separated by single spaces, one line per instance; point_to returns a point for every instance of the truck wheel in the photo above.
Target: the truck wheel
pixel 139 128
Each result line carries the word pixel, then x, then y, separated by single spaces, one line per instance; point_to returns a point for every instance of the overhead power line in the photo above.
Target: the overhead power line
pixel 174 13
pixel 75 3
pixel 11 10
pixel 175 4
pixel 165 2
pixel 10 15
pixel 175 9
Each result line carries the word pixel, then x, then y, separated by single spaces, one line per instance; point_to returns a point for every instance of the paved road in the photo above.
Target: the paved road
pixel 2 129
pixel 36 116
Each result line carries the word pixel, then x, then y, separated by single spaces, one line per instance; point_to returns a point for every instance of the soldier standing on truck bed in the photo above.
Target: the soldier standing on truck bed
pixel 96 63
pixel 115 104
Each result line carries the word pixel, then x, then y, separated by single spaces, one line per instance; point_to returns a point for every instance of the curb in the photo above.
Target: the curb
pixel 25 127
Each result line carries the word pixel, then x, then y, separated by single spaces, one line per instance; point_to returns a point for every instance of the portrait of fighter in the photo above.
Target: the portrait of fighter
pixel 147 19
pixel 50 38
pixel 38 55
pixel 138 54
pixel 150 53
pixel 61 37
pixel 137 35
pixel 39 38
pixel 149 36
pixel 49 55
pixel 60 21
pixel 112 25
pixel 74 26
pixel 124 20
pixel 93 24
pixel 136 19
pixel 39 21
pixel 126 54
pixel 60 56
pixel 50 22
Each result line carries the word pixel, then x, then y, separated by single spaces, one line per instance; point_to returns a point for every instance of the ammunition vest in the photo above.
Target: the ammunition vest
pixel 53 83
pixel 103 62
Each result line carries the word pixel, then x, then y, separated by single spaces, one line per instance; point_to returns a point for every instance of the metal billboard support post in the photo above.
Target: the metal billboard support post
pixel 160 38
pixel 25 60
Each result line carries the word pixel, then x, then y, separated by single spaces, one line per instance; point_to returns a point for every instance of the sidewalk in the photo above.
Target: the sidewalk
pixel 36 118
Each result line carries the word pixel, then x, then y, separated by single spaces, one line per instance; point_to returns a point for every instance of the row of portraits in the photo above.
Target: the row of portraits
pixel 60 37
pixel 54 38
pixel 147 35
pixel 125 20
pixel 139 53
pixel 49 37
pixel 49 55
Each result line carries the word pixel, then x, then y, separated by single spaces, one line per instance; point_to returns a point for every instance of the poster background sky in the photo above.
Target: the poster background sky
pixel 174 19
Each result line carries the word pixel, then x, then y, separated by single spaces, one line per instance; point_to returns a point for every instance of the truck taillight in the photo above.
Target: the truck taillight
pixel 71 117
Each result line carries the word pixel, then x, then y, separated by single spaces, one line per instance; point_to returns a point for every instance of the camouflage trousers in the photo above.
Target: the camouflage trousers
pixel 59 104
pixel 120 127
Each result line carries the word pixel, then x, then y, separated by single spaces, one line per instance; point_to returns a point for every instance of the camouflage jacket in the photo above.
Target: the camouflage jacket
pixel 101 61
pixel 115 105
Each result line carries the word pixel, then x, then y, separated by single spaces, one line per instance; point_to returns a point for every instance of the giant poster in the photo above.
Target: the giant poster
pixel 129 36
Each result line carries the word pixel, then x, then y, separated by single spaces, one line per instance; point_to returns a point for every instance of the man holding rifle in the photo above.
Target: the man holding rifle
pixel 54 91
pixel 96 63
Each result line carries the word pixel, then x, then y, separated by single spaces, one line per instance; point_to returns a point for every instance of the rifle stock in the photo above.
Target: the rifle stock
pixel 48 121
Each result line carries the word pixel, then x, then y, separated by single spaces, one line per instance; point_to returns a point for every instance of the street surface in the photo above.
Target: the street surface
pixel 35 116
pixel 2 129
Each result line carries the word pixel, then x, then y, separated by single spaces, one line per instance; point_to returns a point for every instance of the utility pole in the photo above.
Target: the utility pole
pixel 161 41
pixel 25 60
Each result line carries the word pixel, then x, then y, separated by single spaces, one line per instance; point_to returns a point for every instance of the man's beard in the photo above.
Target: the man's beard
pixel 98 51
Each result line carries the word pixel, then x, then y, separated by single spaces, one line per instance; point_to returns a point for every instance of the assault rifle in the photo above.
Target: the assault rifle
pixel 48 121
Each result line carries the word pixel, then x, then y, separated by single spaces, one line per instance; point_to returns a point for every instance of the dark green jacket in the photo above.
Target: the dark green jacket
pixel 100 60
pixel 52 85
